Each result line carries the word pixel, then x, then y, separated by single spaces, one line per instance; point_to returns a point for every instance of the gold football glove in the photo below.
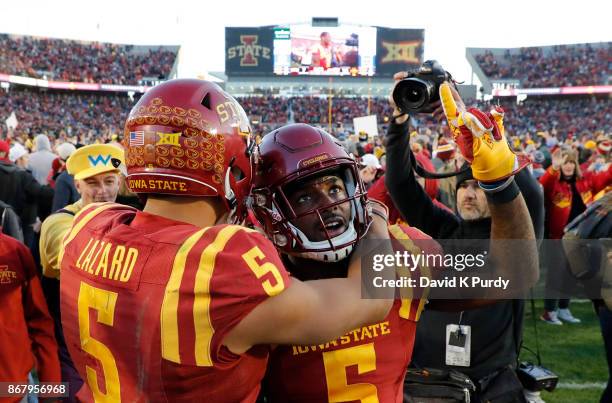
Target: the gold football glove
pixel 481 139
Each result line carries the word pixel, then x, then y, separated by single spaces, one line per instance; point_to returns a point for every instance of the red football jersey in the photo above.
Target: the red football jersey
pixel 366 365
pixel 146 302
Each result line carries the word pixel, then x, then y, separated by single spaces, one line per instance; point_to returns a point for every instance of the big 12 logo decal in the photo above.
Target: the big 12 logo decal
pixel 404 52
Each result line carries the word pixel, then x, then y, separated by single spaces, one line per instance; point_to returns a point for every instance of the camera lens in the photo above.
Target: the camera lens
pixel 412 94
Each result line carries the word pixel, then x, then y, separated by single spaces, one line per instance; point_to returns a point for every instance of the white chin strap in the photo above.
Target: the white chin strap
pixel 230 197
pixel 350 235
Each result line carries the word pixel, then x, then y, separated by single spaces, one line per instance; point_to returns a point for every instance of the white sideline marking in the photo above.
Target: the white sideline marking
pixel 586 385
pixel 581 301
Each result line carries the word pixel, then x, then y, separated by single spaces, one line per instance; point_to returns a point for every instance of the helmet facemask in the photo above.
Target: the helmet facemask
pixel 312 232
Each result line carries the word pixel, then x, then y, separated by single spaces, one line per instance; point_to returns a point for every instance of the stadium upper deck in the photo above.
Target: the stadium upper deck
pixel 89 62
pixel 544 66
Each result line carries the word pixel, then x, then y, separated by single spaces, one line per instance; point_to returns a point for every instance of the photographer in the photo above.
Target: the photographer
pixel 495 329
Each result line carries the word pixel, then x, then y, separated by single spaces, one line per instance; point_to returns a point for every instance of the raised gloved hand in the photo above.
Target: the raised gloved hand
pixel 481 140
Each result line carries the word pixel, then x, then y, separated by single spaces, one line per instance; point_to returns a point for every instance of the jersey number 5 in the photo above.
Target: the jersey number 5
pixel 261 270
pixel 336 362
pixel 103 302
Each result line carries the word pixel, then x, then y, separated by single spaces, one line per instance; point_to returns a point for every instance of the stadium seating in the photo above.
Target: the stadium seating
pixel 91 62
pixel 550 66
pixel 567 115
pixel 266 109
pixel 68 112
pixel 315 110
pixel 104 113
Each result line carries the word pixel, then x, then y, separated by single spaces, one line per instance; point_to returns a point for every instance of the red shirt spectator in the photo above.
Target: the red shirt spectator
pixel 26 328
pixel 560 191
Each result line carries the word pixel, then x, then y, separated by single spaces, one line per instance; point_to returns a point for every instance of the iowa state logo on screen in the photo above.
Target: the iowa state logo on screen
pixel 400 52
pixel 249 51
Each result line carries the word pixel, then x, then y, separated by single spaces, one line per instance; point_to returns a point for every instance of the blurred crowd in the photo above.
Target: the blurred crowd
pixel 567 116
pixel 267 109
pixel 537 127
pixel 93 62
pixel 558 66
pixel 314 110
pixel 96 115
pixel 66 113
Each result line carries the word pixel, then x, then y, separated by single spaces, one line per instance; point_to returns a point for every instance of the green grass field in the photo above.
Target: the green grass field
pixel 574 352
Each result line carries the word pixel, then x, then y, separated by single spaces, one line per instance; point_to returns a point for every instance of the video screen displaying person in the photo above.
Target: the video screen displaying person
pixel 334 50
pixel 325 53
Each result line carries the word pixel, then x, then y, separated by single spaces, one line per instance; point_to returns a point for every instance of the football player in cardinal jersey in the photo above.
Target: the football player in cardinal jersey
pixel 308 195
pixel 170 304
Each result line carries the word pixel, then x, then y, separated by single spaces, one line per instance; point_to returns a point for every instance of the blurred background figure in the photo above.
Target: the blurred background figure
pixel 41 160
pixel 567 192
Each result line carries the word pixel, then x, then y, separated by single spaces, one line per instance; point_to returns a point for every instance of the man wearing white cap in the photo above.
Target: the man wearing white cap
pixel 19 156
pixel 371 169
pixel 96 178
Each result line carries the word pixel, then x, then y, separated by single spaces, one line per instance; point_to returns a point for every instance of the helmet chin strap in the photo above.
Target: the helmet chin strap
pixel 350 235
pixel 230 196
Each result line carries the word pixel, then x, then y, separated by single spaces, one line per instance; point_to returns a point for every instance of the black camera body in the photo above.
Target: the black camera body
pixel 416 93
pixel 536 378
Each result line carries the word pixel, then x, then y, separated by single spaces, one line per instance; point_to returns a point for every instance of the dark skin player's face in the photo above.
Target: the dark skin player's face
pixel 315 193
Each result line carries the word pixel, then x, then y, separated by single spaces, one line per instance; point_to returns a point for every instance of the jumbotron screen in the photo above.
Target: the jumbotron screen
pixel 337 51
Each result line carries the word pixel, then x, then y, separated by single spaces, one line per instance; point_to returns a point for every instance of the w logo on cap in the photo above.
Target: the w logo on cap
pixel 94 161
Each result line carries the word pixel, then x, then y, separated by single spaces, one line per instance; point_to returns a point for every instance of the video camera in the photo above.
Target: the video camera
pixel 535 377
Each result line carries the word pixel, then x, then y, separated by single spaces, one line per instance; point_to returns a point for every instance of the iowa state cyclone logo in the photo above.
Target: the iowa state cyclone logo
pixel 249 51
pixel 7 276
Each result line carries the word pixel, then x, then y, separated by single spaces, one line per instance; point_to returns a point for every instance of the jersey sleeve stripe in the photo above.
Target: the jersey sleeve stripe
pixel 421 307
pixel 406 310
pixel 78 226
pixel 204 330
pixel 169 309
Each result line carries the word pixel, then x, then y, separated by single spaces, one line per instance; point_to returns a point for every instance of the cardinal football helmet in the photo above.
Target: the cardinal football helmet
pixel 189 137
pixel 288 156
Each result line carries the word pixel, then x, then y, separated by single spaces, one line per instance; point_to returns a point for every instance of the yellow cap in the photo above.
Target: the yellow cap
pixel 589 145
pixel 94 159
pixel 379 152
